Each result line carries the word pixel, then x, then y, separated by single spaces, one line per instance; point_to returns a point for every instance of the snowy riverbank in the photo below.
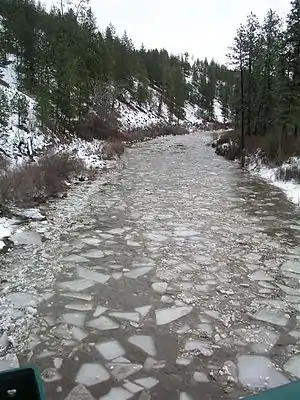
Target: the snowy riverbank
pixel 291 188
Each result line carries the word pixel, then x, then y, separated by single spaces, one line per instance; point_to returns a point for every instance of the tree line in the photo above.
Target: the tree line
pixel 70 67
pixel 266 59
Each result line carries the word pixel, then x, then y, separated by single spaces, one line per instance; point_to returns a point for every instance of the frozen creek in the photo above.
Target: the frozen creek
pixel 178 279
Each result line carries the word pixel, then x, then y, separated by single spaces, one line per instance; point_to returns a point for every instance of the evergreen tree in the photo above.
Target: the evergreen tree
pixel 4 109
pixel 19 105
pixel 293 43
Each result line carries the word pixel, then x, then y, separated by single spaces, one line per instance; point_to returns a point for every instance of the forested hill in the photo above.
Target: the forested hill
pixel 71 67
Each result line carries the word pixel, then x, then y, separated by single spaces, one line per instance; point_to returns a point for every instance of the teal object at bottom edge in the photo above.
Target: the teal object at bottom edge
pixel 291 391
pixel 25 379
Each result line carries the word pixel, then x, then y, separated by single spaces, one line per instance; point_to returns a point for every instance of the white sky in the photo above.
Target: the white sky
pixel 204 28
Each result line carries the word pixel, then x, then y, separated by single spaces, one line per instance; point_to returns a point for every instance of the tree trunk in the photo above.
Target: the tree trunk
pixel 242 121
pixel 282 141
pixel 249 114
pixel 296 131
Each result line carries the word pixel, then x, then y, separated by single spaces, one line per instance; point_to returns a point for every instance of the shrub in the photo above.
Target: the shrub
pixel 287 173
pixel 113 149
pixel 37 182
pixel 98 127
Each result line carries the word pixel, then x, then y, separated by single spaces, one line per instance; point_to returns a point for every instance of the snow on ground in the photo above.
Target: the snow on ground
pixel 89 152
pixel 134 116
pixel 218 111
pixel 20 143
pixel 6 229
pixel 271 175
pixel 191 113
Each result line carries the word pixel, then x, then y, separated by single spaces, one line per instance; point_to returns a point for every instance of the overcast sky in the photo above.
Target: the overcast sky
pixel 204 28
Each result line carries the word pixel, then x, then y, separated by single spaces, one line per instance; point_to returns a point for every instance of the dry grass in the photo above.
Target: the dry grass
pixel 272 146
pixel 99 127
pixel 35 183
pixel 113 149
pixel 290 173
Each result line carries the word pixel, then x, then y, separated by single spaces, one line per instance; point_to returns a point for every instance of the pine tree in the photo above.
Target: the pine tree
pixel 4 110
pixel 238 58
pixel 20 106
pixel 293 42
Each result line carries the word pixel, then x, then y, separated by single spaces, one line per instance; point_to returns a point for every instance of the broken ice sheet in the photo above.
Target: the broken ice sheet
pixel 160 287
pixel 288 290
pixel 137 272
pixel 260 276
pixel 117 393
pixel 151 363
pixel 213 314
pixel 92 374
pixel 110 350
pixel 117 231
pixel 185 396
pixel 147 383
pixel 132 387
pixel 103 324
pixel 10 361
pixel 27 238
pixel 167 299
pixel 205 329
pixel 186 233
pixel 258 372
pixel 78 296
pixel 291 266
pixel 91 241
pixel 200 377
pixel 79 393
pixel 202 347
pixel 128 316
pixel 121 360
pixel 78 334
pixel 122 370
pixel 79 306
pixel 167 315
pixel 21 299
pixel 144 310
pixel 77 285
pixel 145 343
pixel 88 274
pixel 183 361
pixel 272 316
pixel 117 275
pixel 99 310
pixel 76 319
pixel 45 354
pixel 74 258
pixel 295 334
pixel 262 339
pixel 94 254
pixel 293 366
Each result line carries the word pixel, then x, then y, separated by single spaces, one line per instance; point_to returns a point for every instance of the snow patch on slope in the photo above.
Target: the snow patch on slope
pixel 91 153
pixel 218 111
pixel 6 230
pixel 132 115
pixel 18 143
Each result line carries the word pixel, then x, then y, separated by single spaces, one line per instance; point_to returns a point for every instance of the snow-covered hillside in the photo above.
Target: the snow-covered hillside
pixel 19 142
pixel 133 115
